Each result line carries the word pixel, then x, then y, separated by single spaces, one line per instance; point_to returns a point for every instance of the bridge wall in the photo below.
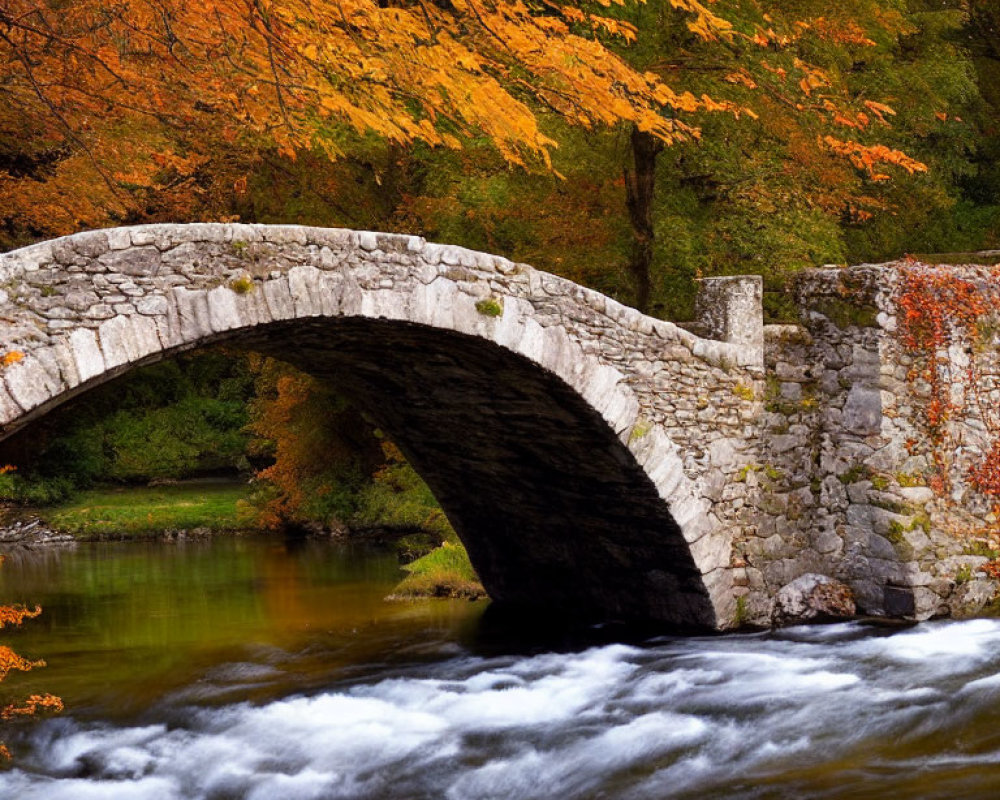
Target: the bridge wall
pixel 88 307
pixel 846 464
pixel 762 454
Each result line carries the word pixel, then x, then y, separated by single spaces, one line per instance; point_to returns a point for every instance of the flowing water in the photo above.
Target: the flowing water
pixel 241 668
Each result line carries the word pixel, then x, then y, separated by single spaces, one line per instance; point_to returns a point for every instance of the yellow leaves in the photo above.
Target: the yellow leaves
pixel 768 37
pixel 614 27
pixel 813 77
pixel 842 32
pixel 780 72
pixel 31 706
pixel 880 110
pixel 869 157
pixel 12 616
pixel 9 660
pixel 705 24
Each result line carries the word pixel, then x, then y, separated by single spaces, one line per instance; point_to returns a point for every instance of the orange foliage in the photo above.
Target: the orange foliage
pixel 12 616
pixel 31 706
pixel 129 97
pixel 317 443
pixel 938 309
pixel 177 101
pixel 11 358
pixel 869 157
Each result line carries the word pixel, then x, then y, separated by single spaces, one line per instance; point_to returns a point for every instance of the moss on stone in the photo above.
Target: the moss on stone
pixel 847 314
pixel 242 285
pixel 857 473
pixel 744 392
pixel 490 307
pixel 641 428
pixel 741 476
pixel 908 480
pixel 979 547
pixel 742 615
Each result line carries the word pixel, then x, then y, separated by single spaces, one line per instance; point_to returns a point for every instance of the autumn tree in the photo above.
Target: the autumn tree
pixel 321 450
pixel 118 98
pixel 237 98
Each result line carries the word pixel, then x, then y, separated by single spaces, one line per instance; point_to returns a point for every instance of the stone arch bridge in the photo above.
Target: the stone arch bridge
pixel 584 452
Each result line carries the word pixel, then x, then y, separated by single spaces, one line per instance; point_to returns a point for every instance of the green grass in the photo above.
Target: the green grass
pixel 148 511
pixel 444 572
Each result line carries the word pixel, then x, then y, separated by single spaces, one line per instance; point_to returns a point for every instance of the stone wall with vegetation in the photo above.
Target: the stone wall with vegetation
pixel 862 476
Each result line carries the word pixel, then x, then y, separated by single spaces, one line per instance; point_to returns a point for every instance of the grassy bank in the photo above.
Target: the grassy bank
pixel 138 512
pixel 444 572
pixel 149 512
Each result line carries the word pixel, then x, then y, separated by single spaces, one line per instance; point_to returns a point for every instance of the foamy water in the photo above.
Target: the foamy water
pixel 839 711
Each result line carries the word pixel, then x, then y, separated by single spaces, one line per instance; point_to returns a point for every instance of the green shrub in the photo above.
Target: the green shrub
pixel 444 572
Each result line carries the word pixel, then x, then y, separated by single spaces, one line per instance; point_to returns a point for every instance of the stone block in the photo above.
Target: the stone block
pixel 136 261
pixel 117 341
pixel 898 601
pixel 86 354
pixel 862 410
pixel 9 409
pixel 813 597
pixel 153 305
pixel 29 383
pixel 193 317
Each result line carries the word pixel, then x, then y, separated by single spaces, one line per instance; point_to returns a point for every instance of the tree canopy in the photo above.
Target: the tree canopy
pixel 763 136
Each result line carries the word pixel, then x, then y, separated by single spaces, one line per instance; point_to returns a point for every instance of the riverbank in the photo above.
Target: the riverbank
pixel 151 512
pixel 202 508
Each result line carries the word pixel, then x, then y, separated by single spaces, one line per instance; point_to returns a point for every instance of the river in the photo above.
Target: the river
pixel 251 668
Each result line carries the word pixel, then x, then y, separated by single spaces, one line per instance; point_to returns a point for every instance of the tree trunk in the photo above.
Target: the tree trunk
pixel 639 186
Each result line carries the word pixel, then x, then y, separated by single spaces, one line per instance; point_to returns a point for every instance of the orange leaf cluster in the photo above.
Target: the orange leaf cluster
pixel 12 616
pixel 31 706
pixel 868 158
pixel 9 660
pixel 844 32
pixel 992 568
pixel 11 358
pixel 937 307
pixel 291 69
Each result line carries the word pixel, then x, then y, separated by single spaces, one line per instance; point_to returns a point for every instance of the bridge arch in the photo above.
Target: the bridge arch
pixel 498 381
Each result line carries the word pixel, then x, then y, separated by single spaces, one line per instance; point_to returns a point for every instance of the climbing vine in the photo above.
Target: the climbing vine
pixel 939 312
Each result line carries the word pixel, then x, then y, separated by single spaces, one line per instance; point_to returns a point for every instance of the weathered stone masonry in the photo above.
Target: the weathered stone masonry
pixel 586 453
pixel 589 456
pixel 845 461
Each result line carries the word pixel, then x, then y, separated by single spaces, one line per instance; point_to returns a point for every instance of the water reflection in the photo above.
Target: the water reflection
pixel 124 623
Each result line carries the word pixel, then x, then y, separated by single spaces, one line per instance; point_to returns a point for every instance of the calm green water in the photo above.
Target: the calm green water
pixel 237 669
pixel 125 624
